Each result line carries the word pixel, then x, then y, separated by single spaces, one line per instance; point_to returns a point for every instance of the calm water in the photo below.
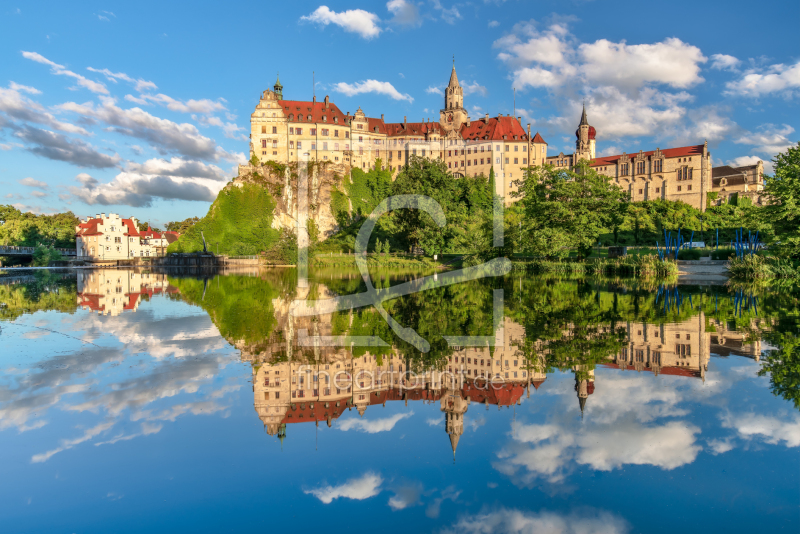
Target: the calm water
pixel 132 401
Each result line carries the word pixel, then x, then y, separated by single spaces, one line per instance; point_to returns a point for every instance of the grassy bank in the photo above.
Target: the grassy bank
pixel 376 260
pixel 758 267
pixel 645 265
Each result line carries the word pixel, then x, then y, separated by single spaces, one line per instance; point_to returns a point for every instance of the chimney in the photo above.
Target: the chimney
pixel 314 99
pixel 97 216
pixel 103 215
pixel 487 117
pixel 404 119
pixel 327 101
pixel 382 120
pixel 519 119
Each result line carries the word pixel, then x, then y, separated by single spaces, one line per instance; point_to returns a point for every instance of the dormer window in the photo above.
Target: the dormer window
pixel 336 120
pixel 324 118
pixel 309 118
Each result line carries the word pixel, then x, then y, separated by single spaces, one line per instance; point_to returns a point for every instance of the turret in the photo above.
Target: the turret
pixel 585 143
pixel 278 88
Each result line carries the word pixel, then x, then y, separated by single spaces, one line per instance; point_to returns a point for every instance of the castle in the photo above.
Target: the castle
pixel 290 131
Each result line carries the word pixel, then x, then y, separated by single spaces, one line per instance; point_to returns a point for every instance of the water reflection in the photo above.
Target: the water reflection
pixel 589 379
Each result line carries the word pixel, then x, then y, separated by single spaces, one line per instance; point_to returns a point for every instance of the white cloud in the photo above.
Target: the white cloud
pixel 373 426
pixel 780 79
pixel 357 21
pixel 30 182
pixel 435 90
pixel 60 70
pixel 18 106
pixel 671 62
pixel 405 497
pixel 724 62
pixel 434 422
pixel 720 446
pixel 67 444
pixel 769 139
pixel 493 24
pixel 769 429
pixel 203 105
pixel 86 180
pixel 165 135
pixel 364 487
pixel 448 15
pixel 473 88
pixel 742 161
pixel 229 129
pixel 140 84
pixel 404 12
pixel 508 521
pixel 371 86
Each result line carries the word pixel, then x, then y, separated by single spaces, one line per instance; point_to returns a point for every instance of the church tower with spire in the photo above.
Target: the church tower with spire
pixel 278 88
pixel 453 115
pixel 585 144
pixel 454 407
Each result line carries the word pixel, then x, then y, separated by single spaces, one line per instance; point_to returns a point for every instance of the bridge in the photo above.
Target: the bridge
pixel 28 251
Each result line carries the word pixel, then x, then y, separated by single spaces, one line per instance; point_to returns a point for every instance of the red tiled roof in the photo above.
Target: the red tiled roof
pixel 539 139
pixel 91 301
pixel 132 230
pixel 376 125
pixel 538 382
pixel 677 371
pixel 695 150
pixel 318 413
pixel 495 128
pixel 150 234
pixel 171 237
pixel 394 129
pixel 315 109
pixel 505 395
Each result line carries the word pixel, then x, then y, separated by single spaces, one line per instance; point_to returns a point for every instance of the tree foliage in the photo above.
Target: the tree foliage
pixel 783 211
pixel 27 230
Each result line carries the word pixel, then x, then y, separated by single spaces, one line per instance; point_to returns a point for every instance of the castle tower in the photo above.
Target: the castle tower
pixel 278 88
pixel 453 115
pixel 585 143
pixel 584 386
pixel 454 407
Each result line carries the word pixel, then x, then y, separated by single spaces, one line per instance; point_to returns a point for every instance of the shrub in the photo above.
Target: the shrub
pixel 690 254
pixel 722 254
pixel 43 255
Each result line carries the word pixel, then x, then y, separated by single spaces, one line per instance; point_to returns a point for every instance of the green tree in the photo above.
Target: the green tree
pixel 783 211
pixel 580 204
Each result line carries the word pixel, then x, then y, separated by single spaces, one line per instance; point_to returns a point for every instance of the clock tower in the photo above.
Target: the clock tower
pixel 453 115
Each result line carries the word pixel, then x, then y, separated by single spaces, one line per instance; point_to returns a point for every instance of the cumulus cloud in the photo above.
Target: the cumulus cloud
pixel 629 89
pixel 724 62
pixel 58 147
pixel 139 84
pixel 742 161
pixel 30 182
pixel 371 86
pixel 139 190
pixel 671 62
pixel 404 13
pixel 86 180
pixel 493 24
pixel 507 521
pixel 435 90
pixel 229 129
pixel 178 167
pixel 768 429
pixel 60 70
pixel 366 486
pixel 356 21
pixel 776 79
pixel 768 139
pixel 375 425
pixel 18 106
pixel 405 497
pixel 474 88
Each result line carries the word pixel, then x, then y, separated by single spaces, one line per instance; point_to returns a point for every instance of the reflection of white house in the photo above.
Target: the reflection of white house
pixel 113 238
pixel 112 291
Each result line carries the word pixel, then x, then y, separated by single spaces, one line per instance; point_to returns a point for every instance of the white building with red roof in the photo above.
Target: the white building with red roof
pixel 110 238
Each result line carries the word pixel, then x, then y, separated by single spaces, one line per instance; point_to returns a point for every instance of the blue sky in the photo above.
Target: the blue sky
pixel 142 109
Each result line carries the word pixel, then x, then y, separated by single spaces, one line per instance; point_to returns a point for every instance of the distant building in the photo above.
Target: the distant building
pixel 114 291
pixel 108 238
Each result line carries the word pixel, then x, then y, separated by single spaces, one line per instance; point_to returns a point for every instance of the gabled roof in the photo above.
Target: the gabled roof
pixel 695 150
pixel 132 230
pixel 396 129
pixel 88 228
pixel 539 139
pixel 495 129
pixel 315 109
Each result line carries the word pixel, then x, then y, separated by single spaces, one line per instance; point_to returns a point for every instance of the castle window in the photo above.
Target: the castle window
pixel 274 143
pixel 481 161
pixel 641 191
pixel 658 189
pixel 498 161
pixel 274 129
pixel 623 169
pixel 679 188
pixel 689 188
pixel 516 161
pixel 298 131
pixel 524 160
pixel 657 165
pixel 347 135
pixel 291 131
pixel 689 174
pixel 324 118
pixel 309 118
pixel 313 131
pixel 263 129
pixel 516 147
pixel 506 161
pixel 291 144
pixel 508 147
pixel 299 145
pixel 360 126
pixel 336 146
pixel 640 167
pixel 399 154
pixel 324 131
pixel 324 146
pixel 263 143
pixel 336 133
pixel 469 162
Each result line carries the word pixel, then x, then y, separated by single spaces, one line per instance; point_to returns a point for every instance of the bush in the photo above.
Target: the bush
pixel 722 254
pixel 690 254
pixel 43 256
